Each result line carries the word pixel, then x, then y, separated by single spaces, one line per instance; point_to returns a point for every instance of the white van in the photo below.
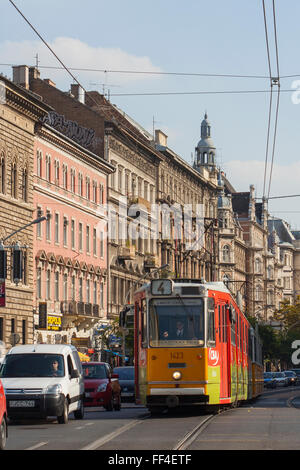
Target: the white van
pixel 43 380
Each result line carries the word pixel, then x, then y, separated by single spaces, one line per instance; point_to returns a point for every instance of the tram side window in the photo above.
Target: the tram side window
pixel 224 316
pixel 144 321
pixel 221 339
pixel 211 335
pixel 233 320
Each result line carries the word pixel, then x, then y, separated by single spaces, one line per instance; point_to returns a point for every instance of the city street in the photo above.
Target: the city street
pixel 271 422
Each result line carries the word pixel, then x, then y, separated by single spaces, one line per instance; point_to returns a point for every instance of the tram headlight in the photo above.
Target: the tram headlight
pixel 177 375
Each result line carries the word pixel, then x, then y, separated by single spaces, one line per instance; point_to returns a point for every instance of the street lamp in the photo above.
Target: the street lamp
pixel 17 254
pixel 36 221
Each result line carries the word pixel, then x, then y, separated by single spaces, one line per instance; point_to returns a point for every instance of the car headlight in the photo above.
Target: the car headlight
pixel 101 388
pixel 177 375
pixel 55 389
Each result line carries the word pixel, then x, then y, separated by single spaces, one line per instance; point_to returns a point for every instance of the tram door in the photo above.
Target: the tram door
pixel 225 351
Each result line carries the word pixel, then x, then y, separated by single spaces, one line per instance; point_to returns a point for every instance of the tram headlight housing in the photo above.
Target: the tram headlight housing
pixel 177 375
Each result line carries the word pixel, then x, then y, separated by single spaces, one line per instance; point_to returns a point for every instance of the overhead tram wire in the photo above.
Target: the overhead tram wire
pixel 271 95
pixel 278 96
pixel 52 51
pixel 274 81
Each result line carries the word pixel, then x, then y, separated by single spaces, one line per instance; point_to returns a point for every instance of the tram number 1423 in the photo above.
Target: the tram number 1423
pixel 176 355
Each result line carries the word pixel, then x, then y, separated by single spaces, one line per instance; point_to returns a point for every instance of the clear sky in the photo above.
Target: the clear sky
pixel 171 36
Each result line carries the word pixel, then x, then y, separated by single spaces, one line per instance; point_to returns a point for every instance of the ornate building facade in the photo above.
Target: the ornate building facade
pixel 20 110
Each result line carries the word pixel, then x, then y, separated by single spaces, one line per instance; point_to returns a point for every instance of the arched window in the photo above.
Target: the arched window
pixel 14 180
pixel 270 297
pixel 25 185
pixel 226 254
pixel 257 265
pixel 39 158
pixel 258 293
pixel 48 168
pixel 2 173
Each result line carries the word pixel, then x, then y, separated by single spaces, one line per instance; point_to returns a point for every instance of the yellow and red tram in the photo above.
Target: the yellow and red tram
pixel 217 360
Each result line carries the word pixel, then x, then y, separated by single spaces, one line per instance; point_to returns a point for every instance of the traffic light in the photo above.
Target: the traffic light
pixel 3 262
pixel 17 263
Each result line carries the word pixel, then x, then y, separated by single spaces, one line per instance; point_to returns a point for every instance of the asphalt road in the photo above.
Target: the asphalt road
pixel 271 422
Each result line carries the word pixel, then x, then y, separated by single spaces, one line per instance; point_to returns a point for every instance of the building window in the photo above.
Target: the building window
pixel 23 331
pixel 80 289
pixel 101 300
pixel 80 184
pixel 87 239
pixel 101 195
pixel 80 236
pixel 120 180
pixel 56 284
pixel 88 291
pixel 65 287
pixel 101 244
pixel 25 185
pixel 48 226
pixel 95 242
pixel 39 159
pixel 56 167
pixel 65 231
pixel 270 298
pixel 73 280
pixel 39 283
pixel 73 234
pixel 73 177
pixel 258 293
pixel 95 187
pixel 39 226
pixel 258 265
pixel 14 180
pixel 65 176
pixel 87 188
pixel 48 284
pixel 48 168
pixel 2 174
pixel 226 254
pixel 95 293
pixel 56 228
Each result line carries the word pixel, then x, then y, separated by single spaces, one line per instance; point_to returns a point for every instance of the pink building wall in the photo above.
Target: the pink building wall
pixel 70 249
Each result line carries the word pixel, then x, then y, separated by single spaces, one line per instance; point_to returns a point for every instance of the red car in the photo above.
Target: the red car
pixel 3 418
pixel 101 387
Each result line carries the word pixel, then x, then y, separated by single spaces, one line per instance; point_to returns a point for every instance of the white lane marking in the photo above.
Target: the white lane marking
pixel 36 446
pixel 99 442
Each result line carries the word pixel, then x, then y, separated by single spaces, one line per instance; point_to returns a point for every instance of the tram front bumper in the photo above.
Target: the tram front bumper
pixel 173 397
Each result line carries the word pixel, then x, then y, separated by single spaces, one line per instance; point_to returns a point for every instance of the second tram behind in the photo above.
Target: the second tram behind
pixel 217 359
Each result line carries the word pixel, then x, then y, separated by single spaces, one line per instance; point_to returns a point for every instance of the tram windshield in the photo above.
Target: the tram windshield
pixel 176 322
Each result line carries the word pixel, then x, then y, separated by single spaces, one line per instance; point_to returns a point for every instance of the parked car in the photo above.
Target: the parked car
pixel 281 379
pixel 292 377
pixel 126 380
pixel 269 380
pixel 3 418
pixel 101 387
pixel 297 372
pixel 43 380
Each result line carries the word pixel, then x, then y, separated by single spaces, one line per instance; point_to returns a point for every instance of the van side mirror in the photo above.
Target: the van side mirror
pixel 74 374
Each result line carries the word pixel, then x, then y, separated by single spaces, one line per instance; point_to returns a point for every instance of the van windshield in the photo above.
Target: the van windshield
pixel 33 365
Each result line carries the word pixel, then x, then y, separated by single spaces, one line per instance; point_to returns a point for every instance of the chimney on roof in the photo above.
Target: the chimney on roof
pixel 21 75
pixel 78 92
pixel 34 73
pixel 161 138
pixel 50 82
